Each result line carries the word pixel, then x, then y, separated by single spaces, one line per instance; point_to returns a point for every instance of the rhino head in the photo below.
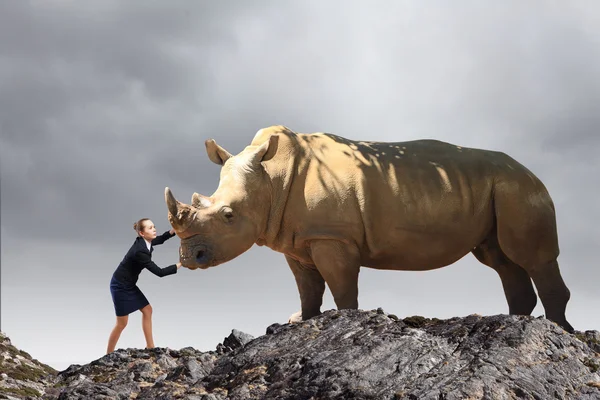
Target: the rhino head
pixel 216 229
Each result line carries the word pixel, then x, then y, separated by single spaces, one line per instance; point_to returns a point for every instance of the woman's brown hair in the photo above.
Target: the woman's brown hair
pixel 139 226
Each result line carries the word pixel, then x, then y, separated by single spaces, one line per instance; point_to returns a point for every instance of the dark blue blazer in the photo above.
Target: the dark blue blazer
pixel 139 257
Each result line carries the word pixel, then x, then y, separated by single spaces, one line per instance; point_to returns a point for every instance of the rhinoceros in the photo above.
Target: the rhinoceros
pixel 332 205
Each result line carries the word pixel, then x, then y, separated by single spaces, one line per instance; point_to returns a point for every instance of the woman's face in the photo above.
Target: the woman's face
pixel 149 231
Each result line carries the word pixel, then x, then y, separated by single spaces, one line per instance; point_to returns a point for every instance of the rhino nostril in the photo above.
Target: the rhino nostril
pixel 199 254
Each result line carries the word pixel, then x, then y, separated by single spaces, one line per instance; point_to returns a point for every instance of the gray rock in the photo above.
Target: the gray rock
pixel 368 355
pixel 235 340
pixel 353 354
pixel 21 375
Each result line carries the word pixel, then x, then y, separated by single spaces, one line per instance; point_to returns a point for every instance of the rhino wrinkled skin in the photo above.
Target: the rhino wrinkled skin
pixel 332 205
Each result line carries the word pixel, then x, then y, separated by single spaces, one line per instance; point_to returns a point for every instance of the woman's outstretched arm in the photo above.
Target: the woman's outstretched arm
pixel 146 261
pixel 162 238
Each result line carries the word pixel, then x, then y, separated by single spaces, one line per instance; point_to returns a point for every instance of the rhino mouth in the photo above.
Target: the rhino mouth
pixel 198 255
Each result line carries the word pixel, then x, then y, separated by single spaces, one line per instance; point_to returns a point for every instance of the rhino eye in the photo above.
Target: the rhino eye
pixel 227 214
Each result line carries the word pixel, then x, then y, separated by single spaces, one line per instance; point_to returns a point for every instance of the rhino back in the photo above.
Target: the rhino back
pixel 390 195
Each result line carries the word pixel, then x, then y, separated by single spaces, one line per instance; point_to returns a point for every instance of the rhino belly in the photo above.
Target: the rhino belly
pixel 420 252
pixel 436 240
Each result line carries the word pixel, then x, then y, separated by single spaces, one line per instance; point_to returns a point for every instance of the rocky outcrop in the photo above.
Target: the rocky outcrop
pixel 354 354
pixel 20 375
pixel 370 355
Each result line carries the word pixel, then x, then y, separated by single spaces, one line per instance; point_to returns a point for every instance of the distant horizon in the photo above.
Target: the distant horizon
pixel 106 103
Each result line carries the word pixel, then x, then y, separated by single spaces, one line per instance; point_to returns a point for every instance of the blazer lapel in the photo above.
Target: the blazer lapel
pixel 142 244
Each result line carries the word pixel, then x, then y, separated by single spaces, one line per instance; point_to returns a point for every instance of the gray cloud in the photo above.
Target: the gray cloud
pixel 111 91
pixel 103 104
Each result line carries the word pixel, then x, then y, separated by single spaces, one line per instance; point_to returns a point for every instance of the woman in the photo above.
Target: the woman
pixel 127 297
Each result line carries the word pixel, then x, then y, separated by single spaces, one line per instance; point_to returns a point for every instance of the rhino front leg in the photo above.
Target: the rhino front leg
pixel 311 287
pixel 339 264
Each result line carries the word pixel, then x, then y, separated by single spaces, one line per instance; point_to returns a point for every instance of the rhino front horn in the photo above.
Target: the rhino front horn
pixel 172 203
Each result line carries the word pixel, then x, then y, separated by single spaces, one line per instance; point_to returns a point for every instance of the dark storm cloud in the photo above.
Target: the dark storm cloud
pixel 103 104
pixel 90 100
pixel 99 102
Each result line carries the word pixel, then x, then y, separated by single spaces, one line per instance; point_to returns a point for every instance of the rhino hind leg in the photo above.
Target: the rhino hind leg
pixel 527 235
pixel 516 283
pixel 553 292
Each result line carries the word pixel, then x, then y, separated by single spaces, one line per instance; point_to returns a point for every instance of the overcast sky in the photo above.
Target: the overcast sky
pixel 104 103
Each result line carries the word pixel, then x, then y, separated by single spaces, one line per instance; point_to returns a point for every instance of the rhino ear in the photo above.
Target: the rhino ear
pixel 266 151
pixel 216 153
pixel 200 201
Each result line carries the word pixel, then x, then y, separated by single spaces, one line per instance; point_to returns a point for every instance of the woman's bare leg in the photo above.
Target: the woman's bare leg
pixel 116 333
pixel 147 325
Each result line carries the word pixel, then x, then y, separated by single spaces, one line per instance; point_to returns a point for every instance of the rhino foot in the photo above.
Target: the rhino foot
pixel 295 318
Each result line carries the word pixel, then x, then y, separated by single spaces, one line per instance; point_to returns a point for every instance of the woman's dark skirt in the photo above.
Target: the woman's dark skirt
pixel 127 298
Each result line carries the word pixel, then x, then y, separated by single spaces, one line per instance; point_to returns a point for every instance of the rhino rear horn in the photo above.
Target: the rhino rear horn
pixel 200 201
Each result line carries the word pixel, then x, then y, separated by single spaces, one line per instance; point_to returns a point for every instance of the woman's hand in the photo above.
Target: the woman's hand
pixel 172 231
pixel 178 265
